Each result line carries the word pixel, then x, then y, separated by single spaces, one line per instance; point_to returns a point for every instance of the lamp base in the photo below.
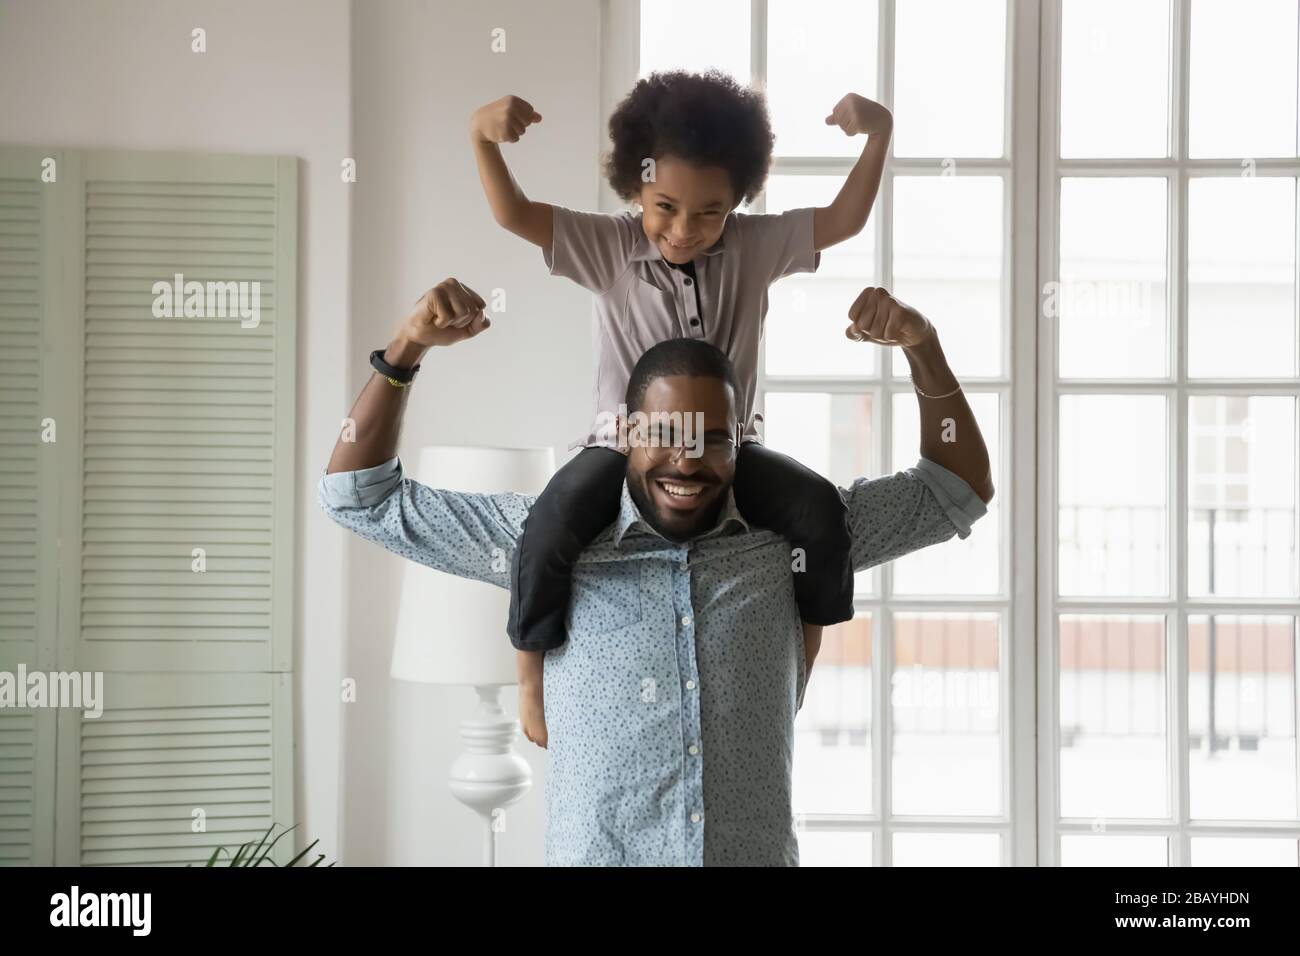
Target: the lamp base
pixel 490 776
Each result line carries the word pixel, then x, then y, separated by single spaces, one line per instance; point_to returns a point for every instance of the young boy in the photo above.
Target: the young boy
pixel 687 148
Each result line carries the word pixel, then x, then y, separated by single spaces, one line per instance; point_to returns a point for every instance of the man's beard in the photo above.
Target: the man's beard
pixel 706 519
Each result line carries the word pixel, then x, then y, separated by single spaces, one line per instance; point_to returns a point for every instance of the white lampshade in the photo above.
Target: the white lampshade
pixel 451 630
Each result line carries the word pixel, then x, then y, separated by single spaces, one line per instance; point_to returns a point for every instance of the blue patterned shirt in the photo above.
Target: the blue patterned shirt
pixel 670 708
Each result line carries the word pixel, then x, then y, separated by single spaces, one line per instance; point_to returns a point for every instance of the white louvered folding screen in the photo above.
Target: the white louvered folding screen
pixel 175 515
pixel 27 506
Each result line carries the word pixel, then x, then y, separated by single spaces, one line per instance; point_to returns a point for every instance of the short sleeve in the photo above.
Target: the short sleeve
pixel 779 244
pixel 591 248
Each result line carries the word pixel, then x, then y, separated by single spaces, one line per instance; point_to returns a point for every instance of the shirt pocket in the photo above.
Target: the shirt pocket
pixel 606 597
pixel 649 314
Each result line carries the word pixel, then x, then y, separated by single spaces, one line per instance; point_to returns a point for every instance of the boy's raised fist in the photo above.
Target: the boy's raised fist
pixel 503 120
pixel 856 114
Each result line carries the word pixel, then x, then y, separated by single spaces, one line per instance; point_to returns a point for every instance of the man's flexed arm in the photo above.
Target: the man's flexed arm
pixel 448 313
pixel 950 435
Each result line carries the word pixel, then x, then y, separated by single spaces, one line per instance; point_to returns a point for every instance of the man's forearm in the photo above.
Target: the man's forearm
pixel 950 435
pixel 370 435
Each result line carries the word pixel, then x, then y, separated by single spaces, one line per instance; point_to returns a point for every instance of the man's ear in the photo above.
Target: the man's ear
pixel 623 445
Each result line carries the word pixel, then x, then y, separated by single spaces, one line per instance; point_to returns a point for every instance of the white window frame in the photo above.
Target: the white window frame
pixel 1177 169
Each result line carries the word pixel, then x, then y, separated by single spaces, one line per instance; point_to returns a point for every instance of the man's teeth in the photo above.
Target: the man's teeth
pixel 679 491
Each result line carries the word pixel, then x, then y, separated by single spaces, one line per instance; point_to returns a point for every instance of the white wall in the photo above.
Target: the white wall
pixel 391 83
pixel 420 216
pixel 275 80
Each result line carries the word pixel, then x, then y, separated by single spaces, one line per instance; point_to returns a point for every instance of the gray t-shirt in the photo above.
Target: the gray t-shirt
pixel 641 300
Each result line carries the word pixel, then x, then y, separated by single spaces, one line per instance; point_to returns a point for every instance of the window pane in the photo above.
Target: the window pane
pixel 1241 277
pixel 948 264
pixel 834 848
pixel 1111 298
pixel 1241 711
pixel 1115 52
pixel 809 312
pixel 1244 851
pixel 818 50
pixel 687 35
pixel 1112 716
pixel 945 697
pixel 833 434
pixel 1117 850
pixel 949 77
pixel 1242 99
pixel 833 757
pixel 958 566
pixel 1241 496
pixel 1113 520
pixel 947 849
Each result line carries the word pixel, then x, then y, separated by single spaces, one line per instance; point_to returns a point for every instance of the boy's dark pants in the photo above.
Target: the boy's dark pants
pixel 772 491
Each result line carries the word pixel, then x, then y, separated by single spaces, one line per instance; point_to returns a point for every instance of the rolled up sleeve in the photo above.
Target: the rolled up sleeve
pixel 468 534
pixel 911 509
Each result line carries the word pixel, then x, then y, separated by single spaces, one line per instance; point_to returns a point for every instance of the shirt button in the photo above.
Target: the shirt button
pixel 686 622
pixel 690 685
pixel 695 818
pixel 687 280
pixel 695 321
pixel 692 750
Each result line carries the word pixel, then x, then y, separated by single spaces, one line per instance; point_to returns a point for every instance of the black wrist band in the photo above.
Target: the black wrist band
pixel 403 375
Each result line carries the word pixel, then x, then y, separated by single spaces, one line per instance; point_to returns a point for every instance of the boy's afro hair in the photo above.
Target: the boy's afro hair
pixel 707 119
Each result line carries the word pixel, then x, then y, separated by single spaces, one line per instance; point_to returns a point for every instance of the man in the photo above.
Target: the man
pixel 670 708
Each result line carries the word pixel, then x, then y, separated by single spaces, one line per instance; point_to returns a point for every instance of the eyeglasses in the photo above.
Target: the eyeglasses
pixel 667 443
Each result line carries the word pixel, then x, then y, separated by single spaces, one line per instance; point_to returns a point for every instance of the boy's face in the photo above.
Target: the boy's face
pixel 685 208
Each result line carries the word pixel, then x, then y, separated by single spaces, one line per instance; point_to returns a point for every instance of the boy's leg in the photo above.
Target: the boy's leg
pixel 578 502
pixel 776 492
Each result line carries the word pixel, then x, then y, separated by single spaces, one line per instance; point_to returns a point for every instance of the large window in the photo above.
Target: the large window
pixel 1169 383
pixel 1096 203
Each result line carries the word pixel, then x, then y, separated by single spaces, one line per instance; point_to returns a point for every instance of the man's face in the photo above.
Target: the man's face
pixel 679 492
pixel 685 208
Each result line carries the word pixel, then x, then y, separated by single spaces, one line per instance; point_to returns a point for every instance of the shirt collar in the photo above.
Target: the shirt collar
pixel 645 250
pixel 629 517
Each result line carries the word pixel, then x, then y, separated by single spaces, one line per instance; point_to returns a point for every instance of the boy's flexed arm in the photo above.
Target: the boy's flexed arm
pixel 504 121
pixel 847 214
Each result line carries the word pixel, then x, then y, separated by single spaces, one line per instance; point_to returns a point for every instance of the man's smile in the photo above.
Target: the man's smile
pixel 682 495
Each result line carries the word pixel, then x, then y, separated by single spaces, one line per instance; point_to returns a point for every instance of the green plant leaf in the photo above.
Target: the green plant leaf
pixel 263 840
pixel 305 851
pixel 259 855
